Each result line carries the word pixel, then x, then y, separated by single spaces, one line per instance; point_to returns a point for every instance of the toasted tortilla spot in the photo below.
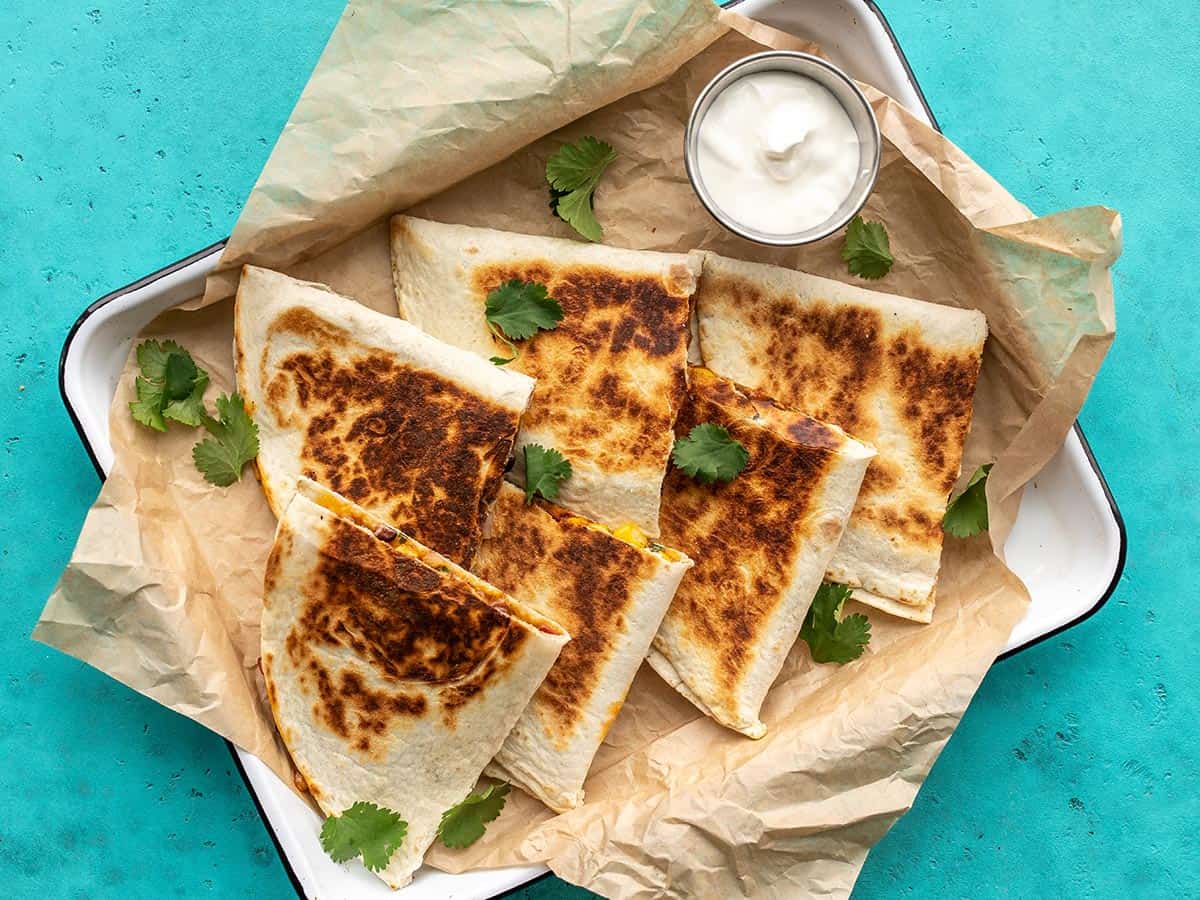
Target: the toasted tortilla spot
pixel 334 381
pixel 596 572
pixel 307 324
pixel 276 394
pixel 937 389
pixel 279 549
pixel 882 476
pixel 410 624
pixel 292 646
pixel 813 433
pixel 831 530
pixel 910 522
pixel 416 625
pixel 329 706
pixel 822 359
pixel 633 317
pixel 271 698
pixel 358 712
pixel 356 409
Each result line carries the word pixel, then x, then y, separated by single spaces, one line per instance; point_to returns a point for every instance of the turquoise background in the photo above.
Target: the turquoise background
pixel 131 131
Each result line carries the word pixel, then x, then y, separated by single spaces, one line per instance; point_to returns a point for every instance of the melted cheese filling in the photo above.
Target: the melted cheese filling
pixel 632 535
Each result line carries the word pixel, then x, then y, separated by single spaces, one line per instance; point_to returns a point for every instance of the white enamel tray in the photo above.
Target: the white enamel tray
pixel 1068 544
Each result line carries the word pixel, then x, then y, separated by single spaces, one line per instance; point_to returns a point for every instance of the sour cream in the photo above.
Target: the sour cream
pixel 777 152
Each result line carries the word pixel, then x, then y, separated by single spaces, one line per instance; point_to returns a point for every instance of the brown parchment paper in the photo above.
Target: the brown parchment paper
pixel 164 588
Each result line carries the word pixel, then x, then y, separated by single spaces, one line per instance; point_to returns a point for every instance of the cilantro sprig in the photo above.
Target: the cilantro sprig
pixel 831 638
pixel 376 832
pixel 573 173
pixel 233 442
pixel 867 251
pixel 170 386
pixel 709 454
pixel 365 830
pixel 545 470
pixel 967 514
pixel 464 823
pixel 517 310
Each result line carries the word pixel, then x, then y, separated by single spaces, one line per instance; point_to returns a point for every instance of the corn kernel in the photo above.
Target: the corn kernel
pixel 631 534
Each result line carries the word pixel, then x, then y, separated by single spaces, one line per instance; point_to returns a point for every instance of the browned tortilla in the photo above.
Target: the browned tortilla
pixel 760 541
pixel 393 674
pixel 610 376
pixel 895 372
pixel 630 322
pixel 610 596
pixel 410 429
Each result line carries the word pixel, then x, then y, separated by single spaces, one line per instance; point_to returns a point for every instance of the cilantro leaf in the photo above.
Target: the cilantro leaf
pixel 709 454
pixel 147 408
pixel 967 514
pixel 170 386
pixel 573 173
pixel 579 165
pixel 463 824
pixel 867 251
pixel 152 358
pixel 188 409
pixel 364 829
pixel 585 221
pixel 555 196
pixel 829 637
pixel 544 470
pixel 576 210
pixel 517 310
pixel 521 308
pixel 179 374
pixel 234 442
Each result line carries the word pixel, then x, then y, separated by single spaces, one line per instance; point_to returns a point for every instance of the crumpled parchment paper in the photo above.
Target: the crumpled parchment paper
pixel 449 110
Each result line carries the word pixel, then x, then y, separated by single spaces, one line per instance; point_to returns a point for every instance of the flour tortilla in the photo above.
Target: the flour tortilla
pixel 393 675
pixel 413 430
pixel 610 377
pixel 611 597
pixel 761 543
pixel 897 373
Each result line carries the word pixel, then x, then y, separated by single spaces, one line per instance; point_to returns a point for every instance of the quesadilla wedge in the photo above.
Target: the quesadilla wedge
pixel 610 375
pixel 761 542
pixel 610 592
pixel 411 429
pixel 895 372
pixel 393 674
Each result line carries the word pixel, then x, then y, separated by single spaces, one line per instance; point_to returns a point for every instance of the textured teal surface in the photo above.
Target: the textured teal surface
pixel 130 131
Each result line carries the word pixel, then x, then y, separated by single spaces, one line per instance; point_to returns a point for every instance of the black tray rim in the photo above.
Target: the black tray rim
pixel 146 280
